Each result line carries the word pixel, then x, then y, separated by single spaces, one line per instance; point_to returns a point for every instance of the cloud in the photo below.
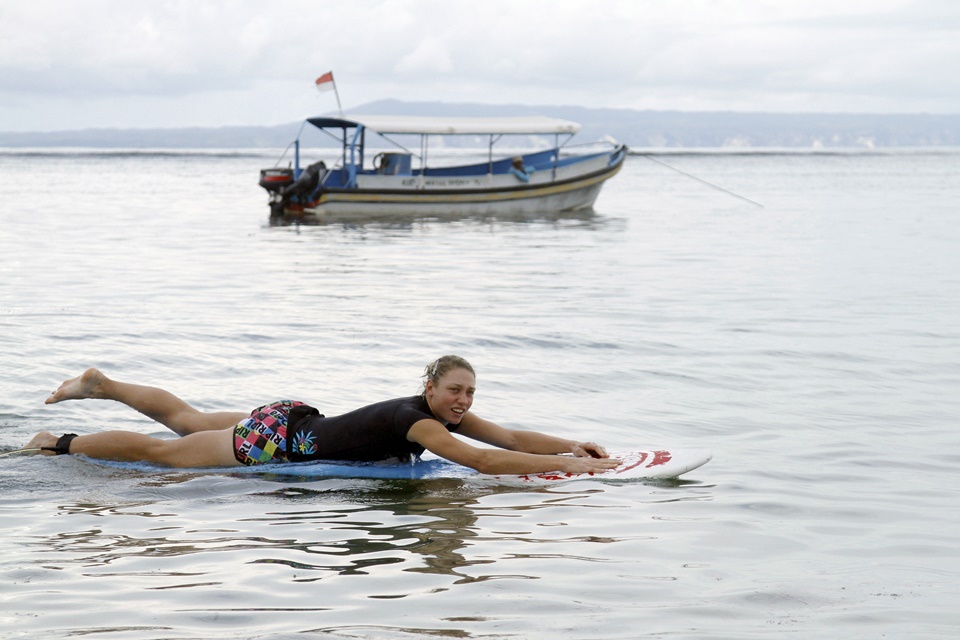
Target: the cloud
pixel 171 62
pixel 431 55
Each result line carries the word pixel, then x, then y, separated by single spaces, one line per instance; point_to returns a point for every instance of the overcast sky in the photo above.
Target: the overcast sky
pixel 71 64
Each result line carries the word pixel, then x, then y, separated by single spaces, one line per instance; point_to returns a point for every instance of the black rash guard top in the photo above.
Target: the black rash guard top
pixel 375 432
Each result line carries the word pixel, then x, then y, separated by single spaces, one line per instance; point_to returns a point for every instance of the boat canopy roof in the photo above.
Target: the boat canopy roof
pixel 450 126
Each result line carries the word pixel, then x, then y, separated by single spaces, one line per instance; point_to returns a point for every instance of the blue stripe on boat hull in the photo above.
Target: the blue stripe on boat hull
pixel 569 195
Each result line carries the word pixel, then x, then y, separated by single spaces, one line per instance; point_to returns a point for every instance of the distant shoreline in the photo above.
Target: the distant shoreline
pixel 734 132
pixel 272 156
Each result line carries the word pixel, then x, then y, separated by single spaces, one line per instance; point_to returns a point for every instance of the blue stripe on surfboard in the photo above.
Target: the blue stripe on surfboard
pixel 432 468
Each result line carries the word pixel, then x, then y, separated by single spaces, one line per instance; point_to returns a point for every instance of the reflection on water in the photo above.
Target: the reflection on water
pixel 430 523
pixel 343 528
pixel 405 220
pixel 436 520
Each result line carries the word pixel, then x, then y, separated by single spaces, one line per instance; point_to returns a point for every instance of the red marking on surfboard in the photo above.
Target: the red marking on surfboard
pixel 659 458
pixel 553 476
pixel 550 476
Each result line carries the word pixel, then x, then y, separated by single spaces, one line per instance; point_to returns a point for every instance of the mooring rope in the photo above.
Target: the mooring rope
pixel 709 184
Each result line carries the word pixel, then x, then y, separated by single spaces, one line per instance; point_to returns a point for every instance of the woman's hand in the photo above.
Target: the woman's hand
pixel 586 464
pixel 588 450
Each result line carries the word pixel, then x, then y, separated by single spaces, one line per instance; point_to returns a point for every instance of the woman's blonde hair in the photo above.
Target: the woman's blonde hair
pixel 441 367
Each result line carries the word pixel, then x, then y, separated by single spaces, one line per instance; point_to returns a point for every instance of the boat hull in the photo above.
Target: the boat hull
pixel 575 188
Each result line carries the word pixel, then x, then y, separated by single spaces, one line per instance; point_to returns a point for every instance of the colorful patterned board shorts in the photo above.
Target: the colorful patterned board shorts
pixel 263 436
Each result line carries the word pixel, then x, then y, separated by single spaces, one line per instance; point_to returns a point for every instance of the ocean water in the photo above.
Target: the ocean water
pixel 813 344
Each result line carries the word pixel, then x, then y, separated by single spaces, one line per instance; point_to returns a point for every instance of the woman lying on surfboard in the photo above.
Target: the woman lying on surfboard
pixel 290 431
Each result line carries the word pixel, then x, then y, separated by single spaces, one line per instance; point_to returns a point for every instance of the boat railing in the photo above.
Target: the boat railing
pixel 345 176
pixel 351 160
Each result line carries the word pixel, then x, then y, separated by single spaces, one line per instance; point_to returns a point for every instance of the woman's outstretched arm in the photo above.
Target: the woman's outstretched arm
pixel 434 436
pixel 475 427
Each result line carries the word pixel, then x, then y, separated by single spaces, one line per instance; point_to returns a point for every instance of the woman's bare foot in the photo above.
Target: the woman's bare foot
pixel 86 385
pixel 42 439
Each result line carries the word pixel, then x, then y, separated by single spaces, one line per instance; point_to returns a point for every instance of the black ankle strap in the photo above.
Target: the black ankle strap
pixel 63 445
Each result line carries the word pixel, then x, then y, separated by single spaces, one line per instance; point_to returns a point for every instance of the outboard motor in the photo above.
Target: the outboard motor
pixel 283 189
pixel 309 180
pixel 274 180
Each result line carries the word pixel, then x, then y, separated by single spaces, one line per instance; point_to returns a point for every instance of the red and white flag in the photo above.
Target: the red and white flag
pixel 325 82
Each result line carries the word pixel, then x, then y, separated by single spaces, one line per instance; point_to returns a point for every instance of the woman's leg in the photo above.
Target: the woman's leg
pixel 200 449
pixel 155 403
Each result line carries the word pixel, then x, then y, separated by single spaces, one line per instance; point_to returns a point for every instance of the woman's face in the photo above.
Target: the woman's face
pixel 452 395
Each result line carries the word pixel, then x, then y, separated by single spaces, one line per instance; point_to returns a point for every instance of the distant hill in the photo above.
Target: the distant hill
pixel 686 129
pixel 638 129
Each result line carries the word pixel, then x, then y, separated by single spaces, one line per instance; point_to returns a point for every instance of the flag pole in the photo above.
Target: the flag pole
pixel 325 83
pixel 336 93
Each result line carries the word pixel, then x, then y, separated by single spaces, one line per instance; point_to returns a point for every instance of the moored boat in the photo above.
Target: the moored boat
pixel 560 178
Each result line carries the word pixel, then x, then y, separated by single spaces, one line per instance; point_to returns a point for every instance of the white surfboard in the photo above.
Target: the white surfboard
pixel 634 465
